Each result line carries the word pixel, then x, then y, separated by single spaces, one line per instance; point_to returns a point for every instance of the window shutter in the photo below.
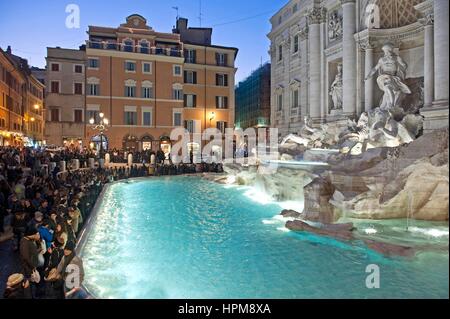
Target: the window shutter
pixel 217 79
pixel 226 79
pixel 195 100
pixel 195 55
pixel 217 102
pixel 217 59
pixel 226 59
pixel 194 76
pixel 225 102
pixel 185 77
pixel 185 100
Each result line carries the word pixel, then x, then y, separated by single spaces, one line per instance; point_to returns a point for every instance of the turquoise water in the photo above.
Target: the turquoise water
pixel 184 237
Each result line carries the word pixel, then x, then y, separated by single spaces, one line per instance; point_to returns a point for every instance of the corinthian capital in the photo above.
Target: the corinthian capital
pixel 317 15
pixel 366 44
pixel 428 19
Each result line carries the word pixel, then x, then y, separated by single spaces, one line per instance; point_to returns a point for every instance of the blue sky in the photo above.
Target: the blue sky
pixel 32 25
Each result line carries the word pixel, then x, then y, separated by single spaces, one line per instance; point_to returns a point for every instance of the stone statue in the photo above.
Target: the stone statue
pixel 336 90
pixel 334 27
pixel 391 69
pixel 386 131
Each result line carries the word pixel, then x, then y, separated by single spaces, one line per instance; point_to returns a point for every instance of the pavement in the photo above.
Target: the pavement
pixel 9 260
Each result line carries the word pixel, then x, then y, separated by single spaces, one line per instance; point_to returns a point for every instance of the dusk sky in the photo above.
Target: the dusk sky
pixel 32 26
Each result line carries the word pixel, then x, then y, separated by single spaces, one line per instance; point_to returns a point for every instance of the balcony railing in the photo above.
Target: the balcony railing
pixel 173 52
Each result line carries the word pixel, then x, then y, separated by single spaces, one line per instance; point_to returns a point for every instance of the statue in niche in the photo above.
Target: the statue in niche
pixel 336 89
pixel 334 27
pixel 391 69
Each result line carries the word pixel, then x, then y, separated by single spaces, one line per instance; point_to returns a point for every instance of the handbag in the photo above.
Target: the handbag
pixel 53 275
pixel 35 276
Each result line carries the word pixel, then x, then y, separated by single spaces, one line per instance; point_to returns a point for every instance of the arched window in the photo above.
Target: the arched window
pixel 128 45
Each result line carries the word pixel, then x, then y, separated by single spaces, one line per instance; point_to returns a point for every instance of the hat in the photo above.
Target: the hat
pixel 30 231
pixel 70 246
pixel 38 216
pixel 14 280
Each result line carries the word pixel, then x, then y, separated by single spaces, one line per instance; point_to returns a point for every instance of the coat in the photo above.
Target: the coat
pixel 28 256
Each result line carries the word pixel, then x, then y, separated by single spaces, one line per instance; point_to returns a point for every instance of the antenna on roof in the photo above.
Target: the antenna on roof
pixel 176 8
pixel 201 14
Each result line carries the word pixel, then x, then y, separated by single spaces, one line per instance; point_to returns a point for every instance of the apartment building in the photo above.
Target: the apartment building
pixel 65 97
pixel 21 103
pixel 147 83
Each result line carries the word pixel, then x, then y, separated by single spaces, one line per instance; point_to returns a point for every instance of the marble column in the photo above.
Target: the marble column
pixel 441 59
pixel 428 60
pixel 370 83
pixel 304 87
pixel 315 17
pixel 349 57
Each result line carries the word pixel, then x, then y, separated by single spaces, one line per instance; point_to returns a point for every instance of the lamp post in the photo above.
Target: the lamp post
pixel 101 127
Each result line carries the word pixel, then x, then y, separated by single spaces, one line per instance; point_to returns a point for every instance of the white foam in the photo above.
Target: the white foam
pixel 283 229
pixel 433 232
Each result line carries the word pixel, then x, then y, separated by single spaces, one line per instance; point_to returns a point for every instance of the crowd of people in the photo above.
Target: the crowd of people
pixel 47 208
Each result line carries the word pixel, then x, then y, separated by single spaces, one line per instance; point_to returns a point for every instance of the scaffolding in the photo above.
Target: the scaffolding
pixel 253 99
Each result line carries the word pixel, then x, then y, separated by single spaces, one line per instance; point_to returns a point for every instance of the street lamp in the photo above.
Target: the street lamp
pixel 212 117
pixel 101 127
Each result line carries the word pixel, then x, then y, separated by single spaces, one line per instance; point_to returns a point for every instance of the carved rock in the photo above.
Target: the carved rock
pixel 342 232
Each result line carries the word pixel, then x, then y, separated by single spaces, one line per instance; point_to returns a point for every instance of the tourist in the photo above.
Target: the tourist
pixel 76 269
pixel 29 254
pixel 17 287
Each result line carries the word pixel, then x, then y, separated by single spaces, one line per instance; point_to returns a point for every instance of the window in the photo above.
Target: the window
pixel 222 79
pixel 221 126
pixel 190 126
pixel 295 8
pixel 146 118
pixel 94 63
pixel 147 92
pixel 55 67
pixel 130 91
pixel 78 88
pixel 94 89
pixel 144 47
pixel 54 87
pixel 280 102
pixel 295 98
pixel 146 67
pixel 221 102
pixel 296 44
pixel 54 115
pixel 190 77
pixel 176 118
pixel 90 114
pixel 280 52
pixel 190 56
pixel 177 70
pixel 190 100
pixel 78 116
pixel 78 68
pixel 128 46
pixel 177 94
pixel 221 59
pixel 280 20
pixel 130 118
pixel 130 66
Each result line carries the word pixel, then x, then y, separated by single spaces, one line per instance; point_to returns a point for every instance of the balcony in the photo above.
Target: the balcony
pixel 172 52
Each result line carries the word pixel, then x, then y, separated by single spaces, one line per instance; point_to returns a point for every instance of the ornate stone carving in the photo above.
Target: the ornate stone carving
pixel 335 26
pixel 316 15
pixel 336 89
pixel 303 33
pixel 391 69
pixel 366 44
pixel 427 19
pixel 347 1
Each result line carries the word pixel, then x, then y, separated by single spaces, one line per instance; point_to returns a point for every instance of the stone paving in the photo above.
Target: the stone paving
pixel 9 263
